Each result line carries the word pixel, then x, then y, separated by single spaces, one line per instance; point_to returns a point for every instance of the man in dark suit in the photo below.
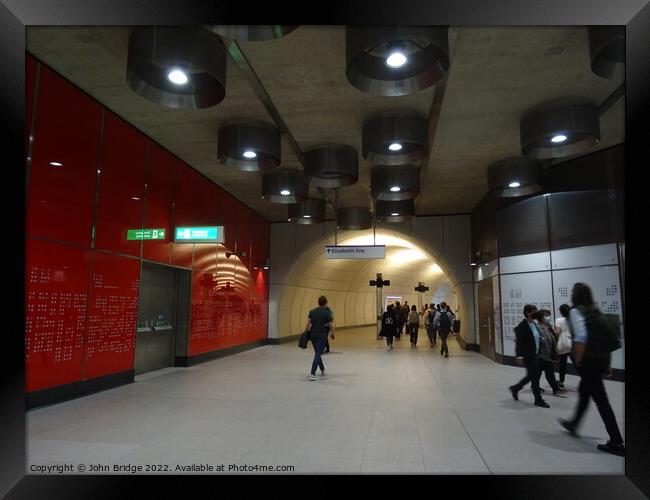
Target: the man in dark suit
pixel 527 339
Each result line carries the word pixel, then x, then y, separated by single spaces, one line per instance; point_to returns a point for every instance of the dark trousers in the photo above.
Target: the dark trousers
pixel 563 362
pixel 591 386
pixel 413 330
pixel 546 367
pixel 327 344
pixel 319 347
pixel 532 376
pixel 443 339
pixel 431 332
pixel 400 327
pixel 389 340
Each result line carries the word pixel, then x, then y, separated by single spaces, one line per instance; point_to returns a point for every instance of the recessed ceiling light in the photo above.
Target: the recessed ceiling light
pixel 473 264
pixel 56 164
pixel 514 184
pixel 285 192
pixel 250 154
pixel 135 198
pixel 394 214
pixel 178 77
pixel 396 60
pixel 559 138
pixel 265 267
pixel 395 189
pixel 307 216
pixel 396 146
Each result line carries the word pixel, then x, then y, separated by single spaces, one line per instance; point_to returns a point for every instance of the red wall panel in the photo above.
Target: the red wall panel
pixel 61 198
pixel 206 331
pixel 158 207
pixel 121 186
pixel 112 315
pixel 56 291
pixel 184 200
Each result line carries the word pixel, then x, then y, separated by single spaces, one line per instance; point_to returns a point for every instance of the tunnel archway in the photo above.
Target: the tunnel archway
pixel 408 261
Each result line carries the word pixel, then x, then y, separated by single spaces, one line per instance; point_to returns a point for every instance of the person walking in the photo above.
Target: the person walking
pixel 527 339
pixel 389 326
pixel 593 362
pixel 327 342
pixel 547 354
pixel 431 331
pixel 564 342
pixel 319 322
pixel 399 318
pixel 443 323
pixel 414 324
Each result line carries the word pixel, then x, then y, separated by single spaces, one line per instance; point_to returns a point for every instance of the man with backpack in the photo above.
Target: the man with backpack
pixel 430 317
pixel 594 339
pixel 443 323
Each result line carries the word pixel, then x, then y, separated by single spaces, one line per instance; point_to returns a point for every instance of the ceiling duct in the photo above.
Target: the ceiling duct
pixel 177 66
pixel 394 183
pixel 252 32
pixel 332 166
pixel 395 211
pixel 559 128
pixel 353 218
pixel 284 186
pixel 308 212
pixel 396 60
pixel 395 138
pixel 606 49
pixel 514 177
pixel 250 146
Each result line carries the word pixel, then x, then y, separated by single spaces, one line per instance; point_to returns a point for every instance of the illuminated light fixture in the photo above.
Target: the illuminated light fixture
pixel 252 32
pixel 394 182
pixel 135 198
pixel 395 211
pixel 526 172
pixel 396 60
pixel 332 166
pixel 284 185
pixel 559 128
pixel 395 138
pixel 353 218
pixel 606 49
pixel 182 67
pixel 57 164
pixel 178 76
pixel 251 146
pixel 310 211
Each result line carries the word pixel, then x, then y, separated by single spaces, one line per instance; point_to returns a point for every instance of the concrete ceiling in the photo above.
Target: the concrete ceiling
pixel 496 74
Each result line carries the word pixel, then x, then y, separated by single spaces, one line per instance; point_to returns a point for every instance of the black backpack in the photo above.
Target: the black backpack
pixel 444 324
pixel 603 333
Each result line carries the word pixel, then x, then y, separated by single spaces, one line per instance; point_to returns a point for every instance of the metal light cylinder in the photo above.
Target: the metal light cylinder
pixel 394 183
pixel 354 218
pixel 252 32
pixel 606 49
pixel 332 166
pixel 237 140
pixel 407 129
pixel 522 171
pixel 308 212
pixel 395 211
pixel 285 186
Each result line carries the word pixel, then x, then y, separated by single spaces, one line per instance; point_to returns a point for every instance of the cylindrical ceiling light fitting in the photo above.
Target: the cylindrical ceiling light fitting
pixel 395 211
pixel 395 138
pixel 284 186
pixel 353 218
pixel 514 177
pixel 559 128
pixel 332 166
pixel 177 66
pixel 252 32
pixel 606 49
pixel 395 182
pixel 396 60
pixel 307 212
pixel 251 146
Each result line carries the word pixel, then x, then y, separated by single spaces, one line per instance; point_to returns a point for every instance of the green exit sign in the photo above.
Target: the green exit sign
pixel 209 234
pixel 145 234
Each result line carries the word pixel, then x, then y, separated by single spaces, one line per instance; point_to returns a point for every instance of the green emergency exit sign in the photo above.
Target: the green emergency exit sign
pixel 145 234
pixel 210 234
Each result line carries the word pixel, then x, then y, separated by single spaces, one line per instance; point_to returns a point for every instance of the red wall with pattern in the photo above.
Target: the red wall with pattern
pixel 82 275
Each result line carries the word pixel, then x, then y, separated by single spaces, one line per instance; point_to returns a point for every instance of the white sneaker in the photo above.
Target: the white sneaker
pixel 312 377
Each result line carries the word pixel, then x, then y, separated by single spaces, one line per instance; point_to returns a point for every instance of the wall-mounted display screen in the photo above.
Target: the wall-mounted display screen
pixel 209 234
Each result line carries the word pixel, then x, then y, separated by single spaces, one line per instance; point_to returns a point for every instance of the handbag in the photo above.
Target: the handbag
pixel 564 343
pixel 304 338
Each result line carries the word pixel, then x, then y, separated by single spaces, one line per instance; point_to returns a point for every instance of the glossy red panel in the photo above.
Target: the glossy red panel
pixel 112 315
pixel 121 186
pixel 206 330
pixel 30 82
pixel 205 202
pixel 186 182
pixel 61 198
pixel 160 197
pixel 56 291
pixel 205 258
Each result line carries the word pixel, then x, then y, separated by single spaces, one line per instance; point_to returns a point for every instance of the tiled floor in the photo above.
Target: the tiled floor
pixel 405 411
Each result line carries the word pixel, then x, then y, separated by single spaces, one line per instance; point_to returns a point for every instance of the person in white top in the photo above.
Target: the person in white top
pixel 564 343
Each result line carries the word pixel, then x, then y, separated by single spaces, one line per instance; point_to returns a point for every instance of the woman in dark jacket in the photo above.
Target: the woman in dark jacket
pixel 389 326
pixel 547 354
